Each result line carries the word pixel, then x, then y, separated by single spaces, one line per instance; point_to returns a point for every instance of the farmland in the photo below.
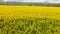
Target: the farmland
pixel 29 20
pixel 29 25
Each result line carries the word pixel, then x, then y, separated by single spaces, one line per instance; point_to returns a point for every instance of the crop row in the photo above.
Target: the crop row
pixel 29 25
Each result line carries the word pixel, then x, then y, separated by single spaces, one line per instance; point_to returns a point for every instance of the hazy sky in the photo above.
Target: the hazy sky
pixel 50 1
pixel 27 0
pixel 34 0
pixel 54 1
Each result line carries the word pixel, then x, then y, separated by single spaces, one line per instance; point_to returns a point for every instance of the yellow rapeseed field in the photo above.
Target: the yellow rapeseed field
pixel 52 12
pixel 29 20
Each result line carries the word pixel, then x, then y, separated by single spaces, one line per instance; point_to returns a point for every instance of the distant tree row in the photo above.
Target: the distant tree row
pixel 28 4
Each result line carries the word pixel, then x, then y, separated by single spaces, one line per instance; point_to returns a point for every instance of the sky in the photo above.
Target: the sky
pixel 50 1
pixel 54 1
pixel 27 0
